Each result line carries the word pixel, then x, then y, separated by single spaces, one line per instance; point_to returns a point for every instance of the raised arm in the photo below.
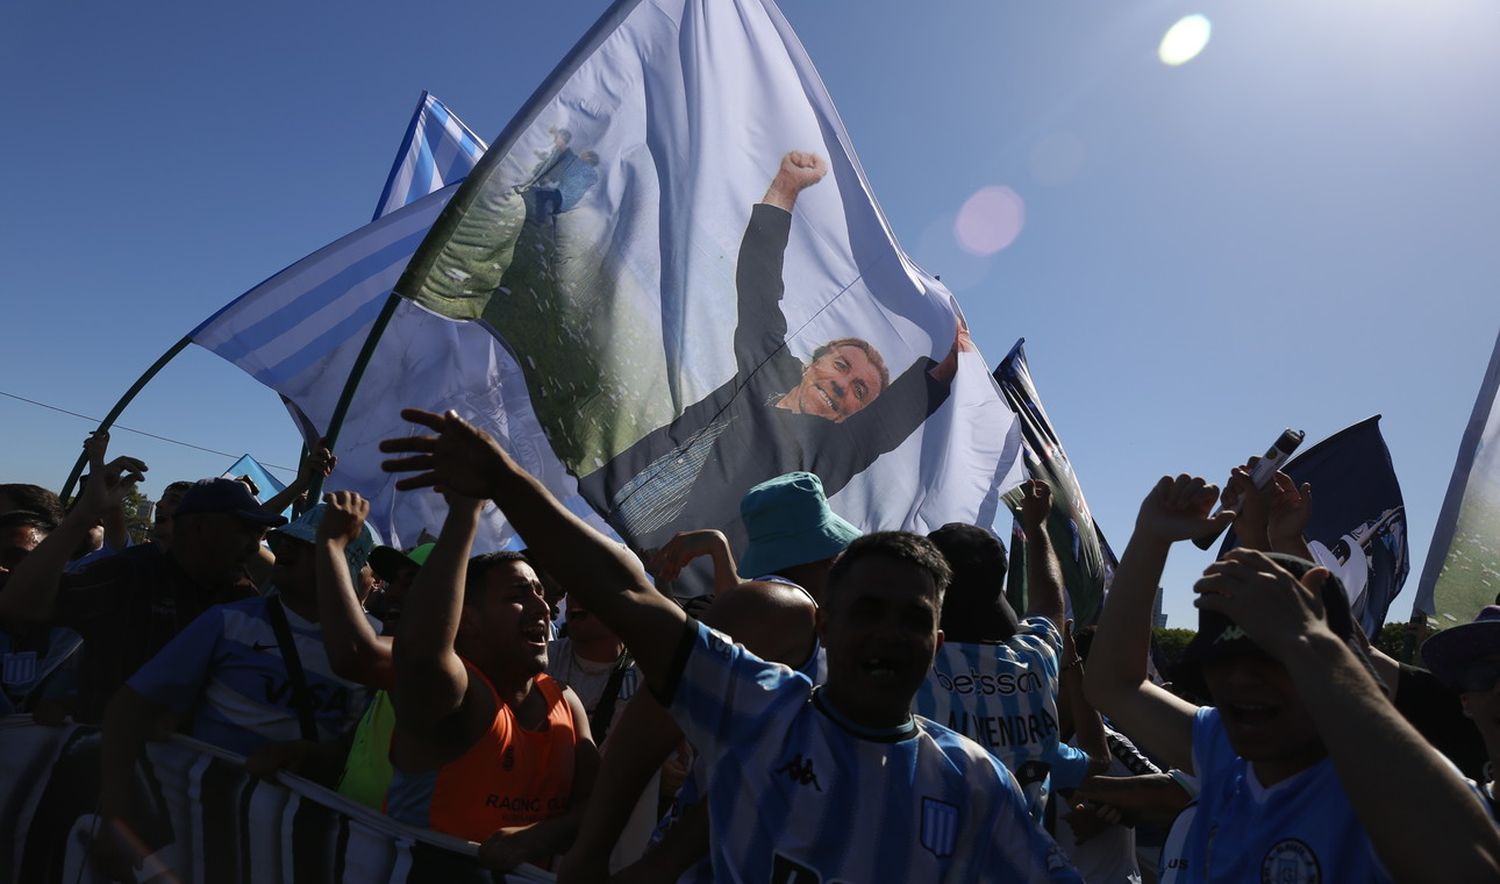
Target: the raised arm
pixel 31 590
pixel 760 328
pixel 1044 583
pixel 116 527
pixel 1116 683
pixel 1088 725
pixel 461 458
pixel 1424 820
pixel 355 651
pixel 319 462
pixel 667 563
pixel 430 679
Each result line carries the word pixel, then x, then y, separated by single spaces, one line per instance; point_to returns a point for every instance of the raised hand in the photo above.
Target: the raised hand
pixel 963 342
pixel 667 563
pixel 460 458
pixel 1036 503
pixel 1290 508
pixel 110 484
pixel 343 518
pixel 1275 609
pixel 799 171
pixel 319 461
pixel 1178 509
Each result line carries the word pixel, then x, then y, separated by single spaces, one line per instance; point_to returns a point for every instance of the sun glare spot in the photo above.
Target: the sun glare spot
pixel 990 220
pixel 1184 40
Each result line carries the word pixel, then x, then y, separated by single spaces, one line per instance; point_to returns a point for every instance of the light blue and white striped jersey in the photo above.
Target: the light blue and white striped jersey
pixel 798 794
pixel 225 670
pixel 1003 695
pixel 1299 831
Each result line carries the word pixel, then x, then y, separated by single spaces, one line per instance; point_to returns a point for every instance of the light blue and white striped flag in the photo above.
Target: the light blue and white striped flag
pixel 300 331
pixel 439 150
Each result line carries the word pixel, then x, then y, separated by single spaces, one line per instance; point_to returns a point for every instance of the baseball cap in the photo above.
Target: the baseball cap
pixel 1453 650
pixel 1220 638
pixel 305 528
pixel 388 561
pixel 790 524
pixel 977 558
pixel 225 496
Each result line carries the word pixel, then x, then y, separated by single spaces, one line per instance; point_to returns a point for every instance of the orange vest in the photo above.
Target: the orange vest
pixel 510 776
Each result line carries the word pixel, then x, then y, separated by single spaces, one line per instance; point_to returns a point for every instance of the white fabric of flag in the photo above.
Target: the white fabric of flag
pixel 676 240
pixel 300 333
pixel 1462 573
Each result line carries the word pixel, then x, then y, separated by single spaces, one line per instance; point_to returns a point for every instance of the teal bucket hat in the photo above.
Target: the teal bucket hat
pixel 790 524
pixel 305 529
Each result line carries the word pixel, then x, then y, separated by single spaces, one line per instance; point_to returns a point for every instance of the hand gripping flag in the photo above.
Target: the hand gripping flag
pixel 676 241
pixel 1358 525
pixel 1086 559
pixel 1462 573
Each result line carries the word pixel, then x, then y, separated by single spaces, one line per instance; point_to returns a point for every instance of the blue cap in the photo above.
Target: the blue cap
pixel 305 528
pixel 790 524
pixel 229 496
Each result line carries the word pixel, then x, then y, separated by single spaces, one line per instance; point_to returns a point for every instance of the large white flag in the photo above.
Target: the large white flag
pixel 1462 573
pixel 675 239
pixel 300 333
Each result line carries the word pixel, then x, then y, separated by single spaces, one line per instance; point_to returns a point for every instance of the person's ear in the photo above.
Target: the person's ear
pixel 940 639
pixel 1463 700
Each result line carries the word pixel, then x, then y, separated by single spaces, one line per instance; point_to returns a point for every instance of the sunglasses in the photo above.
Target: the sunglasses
pixel 1479 676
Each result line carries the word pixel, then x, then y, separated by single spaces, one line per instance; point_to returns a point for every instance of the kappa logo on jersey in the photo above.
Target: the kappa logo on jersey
pixel 1290 862
pixel 800 772
pixel 939 827
pixel 719 643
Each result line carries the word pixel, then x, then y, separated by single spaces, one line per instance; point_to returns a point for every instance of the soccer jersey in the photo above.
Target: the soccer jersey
pixel 1003 695
pixel 798 794
pixel 588 679
pixel 226 671
pixel 1302 830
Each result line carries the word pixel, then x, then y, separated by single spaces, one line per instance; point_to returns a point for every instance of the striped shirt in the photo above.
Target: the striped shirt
pixel 225 670
pixel 1003 695
pixel 797 792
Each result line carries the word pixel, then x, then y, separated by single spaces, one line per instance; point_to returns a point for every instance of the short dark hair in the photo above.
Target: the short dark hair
pixel 481 565
pixel 28 519
pixel 902 546
pixel 869 350
pixel 33 498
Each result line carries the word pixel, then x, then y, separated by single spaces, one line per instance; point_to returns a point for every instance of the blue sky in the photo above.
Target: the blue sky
pixel 1294 229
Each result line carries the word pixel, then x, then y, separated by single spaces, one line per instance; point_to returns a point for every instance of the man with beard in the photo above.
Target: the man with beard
pixel 487 746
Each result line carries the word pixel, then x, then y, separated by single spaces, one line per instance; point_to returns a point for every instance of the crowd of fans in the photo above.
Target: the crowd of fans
pixel 841 707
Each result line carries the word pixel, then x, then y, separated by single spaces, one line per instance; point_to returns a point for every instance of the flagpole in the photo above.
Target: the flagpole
pixel 336 422
pixel 120 406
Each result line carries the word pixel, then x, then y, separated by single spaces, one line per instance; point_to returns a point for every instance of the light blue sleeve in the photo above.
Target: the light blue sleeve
pixel 1016 847
pixel 725 693
pixel 1069 767
pixel 175 676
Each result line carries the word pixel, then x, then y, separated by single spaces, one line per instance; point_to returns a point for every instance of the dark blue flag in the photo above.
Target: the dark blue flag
pixel 1086 559
pixel 1358 524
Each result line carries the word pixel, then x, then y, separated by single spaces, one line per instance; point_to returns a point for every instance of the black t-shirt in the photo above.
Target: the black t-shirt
pixel 1437 714
pixel 126 607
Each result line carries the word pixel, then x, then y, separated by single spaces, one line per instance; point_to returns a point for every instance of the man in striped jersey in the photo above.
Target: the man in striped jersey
pixel 995 680
pixel 839 783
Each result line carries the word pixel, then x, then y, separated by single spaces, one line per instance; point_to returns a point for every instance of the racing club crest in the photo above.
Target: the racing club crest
pixel 939 827
pixel 1290 862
